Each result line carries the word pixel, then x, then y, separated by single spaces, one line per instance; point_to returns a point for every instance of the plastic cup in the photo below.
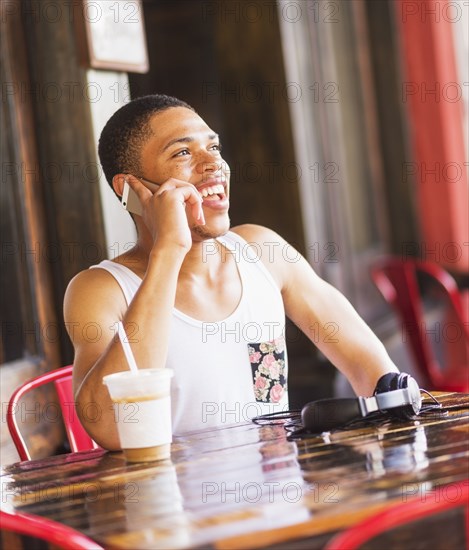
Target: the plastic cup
pixel 142 408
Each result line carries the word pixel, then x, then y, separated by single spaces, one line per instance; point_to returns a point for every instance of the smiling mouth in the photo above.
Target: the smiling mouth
pixel 213 193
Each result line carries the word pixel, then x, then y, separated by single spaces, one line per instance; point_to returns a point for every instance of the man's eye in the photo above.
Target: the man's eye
pixel 182 153
pixel 217 147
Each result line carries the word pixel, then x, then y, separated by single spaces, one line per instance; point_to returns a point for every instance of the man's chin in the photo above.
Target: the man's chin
pixel 204 232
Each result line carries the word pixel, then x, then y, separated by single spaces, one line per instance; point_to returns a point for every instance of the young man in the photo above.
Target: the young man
pixel 192 293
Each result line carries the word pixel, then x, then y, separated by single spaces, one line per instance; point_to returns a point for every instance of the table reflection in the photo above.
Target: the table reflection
pixel 252 480
pixel 231 483
pixel 146 508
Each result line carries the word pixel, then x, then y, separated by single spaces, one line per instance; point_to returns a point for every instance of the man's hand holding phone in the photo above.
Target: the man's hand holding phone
pixel 163 208
pixel 130 200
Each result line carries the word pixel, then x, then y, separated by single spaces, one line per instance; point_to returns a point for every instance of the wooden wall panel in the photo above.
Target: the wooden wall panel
pixel 28 307
pixel 67 164
pixel 393 127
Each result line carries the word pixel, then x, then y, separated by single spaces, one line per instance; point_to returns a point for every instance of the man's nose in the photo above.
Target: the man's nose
pixel 209 163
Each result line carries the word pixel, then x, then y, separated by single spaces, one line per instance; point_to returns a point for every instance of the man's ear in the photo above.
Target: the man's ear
pixel 118 183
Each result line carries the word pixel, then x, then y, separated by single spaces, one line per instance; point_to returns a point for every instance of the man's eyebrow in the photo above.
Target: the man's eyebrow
pixel 187 139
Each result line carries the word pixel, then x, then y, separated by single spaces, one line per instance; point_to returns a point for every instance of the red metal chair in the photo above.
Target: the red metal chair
pixel 46 530
pixel 62 378
pixel 398 282
pixel 451 496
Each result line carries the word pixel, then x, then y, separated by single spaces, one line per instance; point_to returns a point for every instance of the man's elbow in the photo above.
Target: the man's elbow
pixel 97 420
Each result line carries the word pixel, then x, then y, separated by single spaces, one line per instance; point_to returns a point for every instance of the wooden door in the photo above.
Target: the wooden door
pixel 29 343
pixel 50 206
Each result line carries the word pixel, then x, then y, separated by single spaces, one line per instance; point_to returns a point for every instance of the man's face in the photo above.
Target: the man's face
pixel 185 148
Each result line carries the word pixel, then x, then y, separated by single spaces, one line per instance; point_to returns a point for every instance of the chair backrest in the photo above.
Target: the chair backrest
pixel 397 280
pixel 425 505
pixel 62 378
pixel 47 530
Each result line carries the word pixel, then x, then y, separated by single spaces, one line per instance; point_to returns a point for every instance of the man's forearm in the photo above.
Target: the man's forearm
pixel 147 322
pixel 331 323
pixel 354 349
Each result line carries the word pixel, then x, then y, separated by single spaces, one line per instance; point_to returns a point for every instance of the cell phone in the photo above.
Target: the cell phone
pixel 130 200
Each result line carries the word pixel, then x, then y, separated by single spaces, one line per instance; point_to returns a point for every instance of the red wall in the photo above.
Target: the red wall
pixel 432 96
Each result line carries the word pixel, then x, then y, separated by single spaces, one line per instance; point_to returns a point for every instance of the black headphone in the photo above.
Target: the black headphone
pixel 398 393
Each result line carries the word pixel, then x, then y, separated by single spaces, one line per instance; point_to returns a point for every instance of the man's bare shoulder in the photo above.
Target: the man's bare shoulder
pixel 91 291
pixel 90 279
pixel 272 249
pixel 259 234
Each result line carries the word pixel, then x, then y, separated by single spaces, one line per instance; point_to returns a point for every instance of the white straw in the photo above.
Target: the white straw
pixel 127 349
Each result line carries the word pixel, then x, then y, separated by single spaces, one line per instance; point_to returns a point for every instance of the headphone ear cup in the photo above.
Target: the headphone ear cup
pixel 385 383
pixel 393 381
pixel 406 412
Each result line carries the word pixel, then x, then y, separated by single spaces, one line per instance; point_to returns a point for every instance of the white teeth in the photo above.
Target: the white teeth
pixel 213 190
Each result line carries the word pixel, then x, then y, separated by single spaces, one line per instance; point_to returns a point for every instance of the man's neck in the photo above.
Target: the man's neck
pixel 203 260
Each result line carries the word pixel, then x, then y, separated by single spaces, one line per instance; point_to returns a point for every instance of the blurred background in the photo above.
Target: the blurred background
pixel 344 123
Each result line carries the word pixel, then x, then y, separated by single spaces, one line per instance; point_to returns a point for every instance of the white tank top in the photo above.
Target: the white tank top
pixel 232 370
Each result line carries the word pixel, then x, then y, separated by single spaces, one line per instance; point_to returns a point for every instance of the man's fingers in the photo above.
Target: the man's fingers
pixel 141 191
pixel 189 194
pixel 192 196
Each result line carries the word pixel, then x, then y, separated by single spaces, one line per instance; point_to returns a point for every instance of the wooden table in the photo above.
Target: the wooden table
pixel 246 486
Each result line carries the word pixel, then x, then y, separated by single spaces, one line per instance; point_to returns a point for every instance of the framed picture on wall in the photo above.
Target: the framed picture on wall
pixel 111 35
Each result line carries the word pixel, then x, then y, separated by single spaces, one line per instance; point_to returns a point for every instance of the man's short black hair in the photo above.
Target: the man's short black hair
pixel 127 131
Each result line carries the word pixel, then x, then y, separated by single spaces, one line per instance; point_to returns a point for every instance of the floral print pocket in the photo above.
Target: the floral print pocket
pixel 269 370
